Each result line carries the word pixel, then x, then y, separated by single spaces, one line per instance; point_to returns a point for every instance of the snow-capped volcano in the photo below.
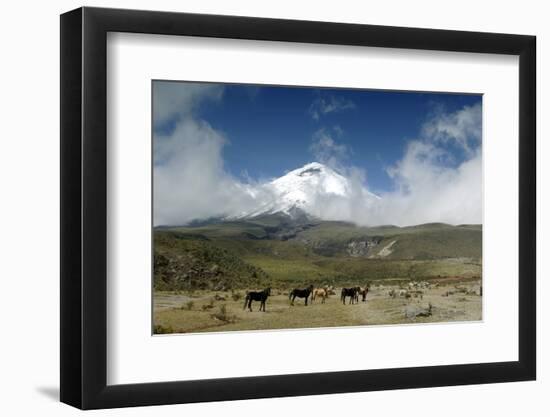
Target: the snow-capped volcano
pixel 315 189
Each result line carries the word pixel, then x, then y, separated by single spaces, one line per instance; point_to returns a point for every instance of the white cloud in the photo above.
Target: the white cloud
pixel 189 177
pixel 463 128
pixel 428 188
pixel 428 192
pixel 327 150
pixel 172 100
pixel 355 206
pixel 325 105
pixel 190 181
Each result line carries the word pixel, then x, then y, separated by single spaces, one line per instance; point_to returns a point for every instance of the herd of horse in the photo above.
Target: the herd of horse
pixel 322 293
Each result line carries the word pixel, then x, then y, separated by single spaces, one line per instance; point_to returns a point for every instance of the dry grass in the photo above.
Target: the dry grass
pixel 380 308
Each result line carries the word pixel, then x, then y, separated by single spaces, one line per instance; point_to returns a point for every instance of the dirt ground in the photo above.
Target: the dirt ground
pixel 223 311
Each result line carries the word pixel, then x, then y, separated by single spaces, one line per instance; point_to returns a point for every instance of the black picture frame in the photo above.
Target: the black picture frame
pixel 84 207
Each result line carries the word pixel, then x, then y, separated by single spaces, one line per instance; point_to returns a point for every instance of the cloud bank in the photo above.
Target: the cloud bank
pixel 428 186
pixel 173 100
pixel 190 181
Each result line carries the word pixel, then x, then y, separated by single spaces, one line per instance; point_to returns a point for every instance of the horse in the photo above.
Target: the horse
pixel 348 292
pixel 320 292
pixel 362 291
pixel 260 296
pixel 358 291
pixel 300 293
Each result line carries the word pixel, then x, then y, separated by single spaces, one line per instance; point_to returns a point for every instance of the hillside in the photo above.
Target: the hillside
pixel 282 250
pixel 330 238
pixel 191 262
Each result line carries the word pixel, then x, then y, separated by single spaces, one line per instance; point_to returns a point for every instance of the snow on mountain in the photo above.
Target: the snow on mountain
pixel 314 189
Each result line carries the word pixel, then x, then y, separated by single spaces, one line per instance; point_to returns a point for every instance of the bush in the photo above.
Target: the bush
pixel 222 315
pixel 188 305
pixel 208 306
pixel 160 329
pixel 236 296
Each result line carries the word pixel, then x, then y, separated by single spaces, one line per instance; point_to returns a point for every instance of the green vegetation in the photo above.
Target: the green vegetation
pixel 202 273
pixel 275 251
pixel 184 262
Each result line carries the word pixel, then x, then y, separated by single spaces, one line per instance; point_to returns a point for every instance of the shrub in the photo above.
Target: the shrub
pixel 236 296
pixel 188 305
pixel 222 315
pixel 208 306
pixel 160 329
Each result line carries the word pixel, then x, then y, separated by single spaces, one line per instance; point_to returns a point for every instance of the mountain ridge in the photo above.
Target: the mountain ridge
pixel 274 249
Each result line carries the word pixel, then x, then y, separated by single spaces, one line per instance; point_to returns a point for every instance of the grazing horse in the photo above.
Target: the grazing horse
pixel 300 293
pixel 320 292
pixel 349 292
pixel 260 296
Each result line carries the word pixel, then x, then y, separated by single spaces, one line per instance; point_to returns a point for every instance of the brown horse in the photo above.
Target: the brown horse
pixel 320 292
pixel 362 291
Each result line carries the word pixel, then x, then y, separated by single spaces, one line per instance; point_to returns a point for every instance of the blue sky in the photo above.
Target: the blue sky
pixel 217 146
pixel 270 130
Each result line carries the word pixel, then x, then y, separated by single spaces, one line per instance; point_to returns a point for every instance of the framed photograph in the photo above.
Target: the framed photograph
pixel 257 208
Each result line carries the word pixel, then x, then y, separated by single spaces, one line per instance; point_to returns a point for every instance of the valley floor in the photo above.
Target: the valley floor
pixel 209 311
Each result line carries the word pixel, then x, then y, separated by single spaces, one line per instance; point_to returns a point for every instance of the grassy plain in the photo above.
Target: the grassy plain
pixel 202 273
pixel 174 314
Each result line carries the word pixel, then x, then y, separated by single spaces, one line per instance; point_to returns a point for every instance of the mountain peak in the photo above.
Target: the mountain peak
pixel 307 190
pixel 312 167
pixel 301 184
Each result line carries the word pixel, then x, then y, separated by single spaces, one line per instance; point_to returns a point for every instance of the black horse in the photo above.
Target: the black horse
pixel 300 293
pixel 349 292
pixel 260 296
